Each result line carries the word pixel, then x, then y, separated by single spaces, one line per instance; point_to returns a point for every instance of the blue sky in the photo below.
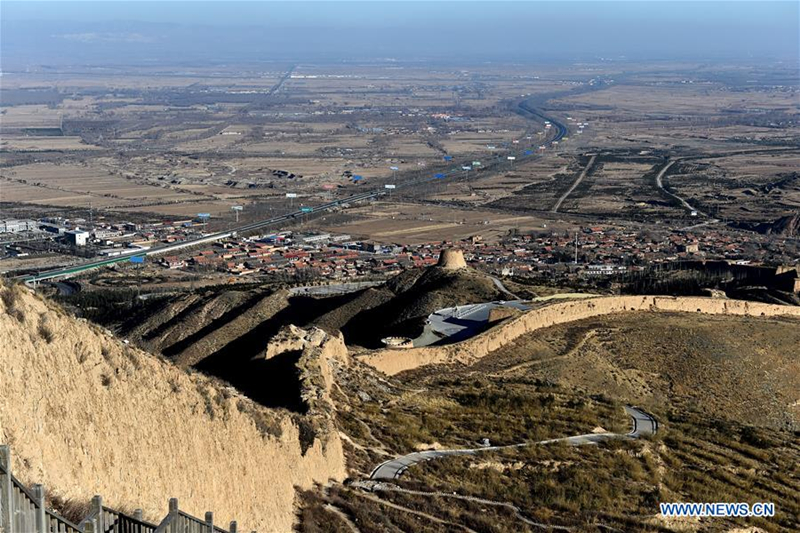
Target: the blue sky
pixel 474 29
pixel 384 11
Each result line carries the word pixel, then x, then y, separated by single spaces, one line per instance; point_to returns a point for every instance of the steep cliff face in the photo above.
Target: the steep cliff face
pixel 86 414
pixel 395 361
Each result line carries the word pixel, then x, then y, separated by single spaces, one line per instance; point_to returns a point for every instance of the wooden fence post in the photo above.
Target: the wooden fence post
pixel 138 514
pixel 90 527
pixel 209 522
pixel 97 510
pixel 41 511
pixel 6 490
pixel 173 512
pixel 232 529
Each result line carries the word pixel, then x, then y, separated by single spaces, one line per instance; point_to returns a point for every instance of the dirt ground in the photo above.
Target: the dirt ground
pixel 405 223
pixel 216 141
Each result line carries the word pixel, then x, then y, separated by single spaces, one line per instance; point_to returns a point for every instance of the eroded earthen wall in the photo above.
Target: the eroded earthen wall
pixel 394 361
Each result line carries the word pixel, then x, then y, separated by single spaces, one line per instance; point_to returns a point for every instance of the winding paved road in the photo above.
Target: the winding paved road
pixel 644 424
pixel 686 205
pixel 501 287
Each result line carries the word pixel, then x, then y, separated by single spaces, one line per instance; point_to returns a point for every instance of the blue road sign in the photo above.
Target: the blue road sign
pixel 357 178
pixel 448 158
pixel 439 176
pixel 137 259
pixel 307 209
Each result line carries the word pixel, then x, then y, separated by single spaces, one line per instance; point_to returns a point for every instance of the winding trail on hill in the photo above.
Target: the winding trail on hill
pixel 420 514
pixel 574 185
pixel 592 333
pixel 644 425
pixel 378 486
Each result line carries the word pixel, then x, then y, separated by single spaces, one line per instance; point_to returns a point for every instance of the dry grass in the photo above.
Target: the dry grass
pixel 698 455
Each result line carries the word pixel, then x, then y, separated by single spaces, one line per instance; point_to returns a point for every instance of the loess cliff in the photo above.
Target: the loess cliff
pixel 87 414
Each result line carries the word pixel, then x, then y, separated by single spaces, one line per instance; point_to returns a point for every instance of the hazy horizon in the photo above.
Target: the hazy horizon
pixel 59 33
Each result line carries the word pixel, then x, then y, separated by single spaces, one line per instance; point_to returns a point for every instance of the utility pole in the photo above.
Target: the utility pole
pixel 236 209
pixel 576 247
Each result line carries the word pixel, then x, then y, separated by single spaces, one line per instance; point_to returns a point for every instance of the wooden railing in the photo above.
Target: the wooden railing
pixel 107 520
pixel 23 510
pixel 177 521
pixel 118 522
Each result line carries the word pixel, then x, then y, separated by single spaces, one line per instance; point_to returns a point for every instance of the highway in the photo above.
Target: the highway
pixel 643 425
pixel 520 154
pixel 456 171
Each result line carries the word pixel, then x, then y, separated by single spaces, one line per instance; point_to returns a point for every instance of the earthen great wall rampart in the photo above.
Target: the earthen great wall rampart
pixel 87 414
pixel 393 362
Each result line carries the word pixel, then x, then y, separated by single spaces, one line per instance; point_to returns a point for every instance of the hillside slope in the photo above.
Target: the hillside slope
pixel 674 359
pixel 417 294
pixel 723 388
pixel 86 414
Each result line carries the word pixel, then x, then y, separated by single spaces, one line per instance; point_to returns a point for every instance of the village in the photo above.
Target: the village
pixel 595 251
pixel 310 255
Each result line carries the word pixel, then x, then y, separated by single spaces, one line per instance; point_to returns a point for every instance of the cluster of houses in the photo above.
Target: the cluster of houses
pixel 297 255
pixel 593 251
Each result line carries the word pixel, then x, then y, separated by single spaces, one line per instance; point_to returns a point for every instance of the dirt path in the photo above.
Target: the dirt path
pixel 577 182
pixel 388 487
pixel 502 288
pixel 416 229
pixel 412 511
pixel 686 205
pixel 572 351
pixel 343 517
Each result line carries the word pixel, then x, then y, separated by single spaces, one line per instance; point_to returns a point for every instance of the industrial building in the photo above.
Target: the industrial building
pixel 76 237
pixel 18 226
